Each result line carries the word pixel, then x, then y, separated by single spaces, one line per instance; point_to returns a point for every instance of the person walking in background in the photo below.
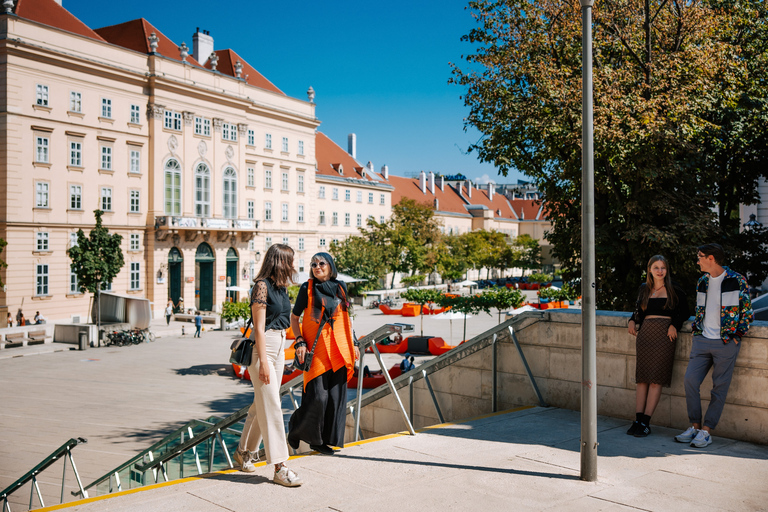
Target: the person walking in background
pixel 661 310
pixel 325 328
pixel 723 315
pixel 9 320
pixel 270 311
pixel 19 318
pixel 198 324
pixel 168 312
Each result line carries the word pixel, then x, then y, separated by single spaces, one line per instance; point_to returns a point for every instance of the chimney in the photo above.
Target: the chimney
pixel 423 182
pixel 441 183
pixel 432 182
pixel 491 189
pixel 352 145
pixel 369 167
pixel 385 172
pixel 202 46
pixel 469 189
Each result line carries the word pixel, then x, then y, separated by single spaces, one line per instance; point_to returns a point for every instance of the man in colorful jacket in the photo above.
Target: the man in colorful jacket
pixel 723 315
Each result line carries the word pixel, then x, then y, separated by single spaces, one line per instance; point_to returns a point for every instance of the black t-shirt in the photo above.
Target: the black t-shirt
pixel 277 302
pixel 656 307
pixel 302 299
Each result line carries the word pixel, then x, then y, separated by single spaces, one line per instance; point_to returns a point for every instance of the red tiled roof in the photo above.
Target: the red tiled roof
pixel 448 200
pixel 48 12
pixel 226 65
pixel 527 209
pixel 499 202
pixel 134 36
pixel 330 156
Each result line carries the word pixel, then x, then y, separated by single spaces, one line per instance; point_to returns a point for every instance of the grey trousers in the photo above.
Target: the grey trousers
pixel 706 354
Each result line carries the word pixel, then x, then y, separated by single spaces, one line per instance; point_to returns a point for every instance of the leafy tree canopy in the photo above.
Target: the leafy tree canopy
pixel 96 258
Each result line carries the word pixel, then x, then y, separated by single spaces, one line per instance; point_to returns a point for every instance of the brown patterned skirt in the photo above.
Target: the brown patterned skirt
pixel 655 352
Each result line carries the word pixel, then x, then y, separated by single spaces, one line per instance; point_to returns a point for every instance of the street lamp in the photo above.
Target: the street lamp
pixel 752 223
pixel 588 304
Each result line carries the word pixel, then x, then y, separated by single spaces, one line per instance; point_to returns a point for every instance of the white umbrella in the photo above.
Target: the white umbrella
pixel 237 289
pixel 450 316
pixel 302 277
pixel 467 283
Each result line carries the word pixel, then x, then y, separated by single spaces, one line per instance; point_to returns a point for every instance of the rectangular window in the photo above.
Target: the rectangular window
pixel 347 195
pixel 75 197
pixel 41 275
pixel 285 240
pixel 381 219
pixel 322 217
pixel 41 150
pixel 75 102
pixel 301 243
pixel 135 276
pixel 106 108
pixel 135 160
pixel 252 245
pixel 359 196
pixel 74 286
pixel 300 183
pixel 321 192
pixel 251 177
pixel 229 132
pixel 335 218
pixel 381 199
pixel 346 219
pixel 106 287
pixel 301 147
pixel 134 246
pixel 73 239
pixel 300 216
pixel 267 242
pixel 335 194
pixel 75 154
pixel 250 209
pixel 285 181
pixel 322 242
pixel 285 212
pixel 202 126
pixel 301 265
pixel 42 241
pixel 268 178
pixel 267 211
pixel 251 138
pixel 134 201
pixel 41 194
pixel 106 158
pixel 42 95
pixel 285 144
pixel 135 114
pixel 268 141
pixel 370 197
pixel 106 199
pixel 359 220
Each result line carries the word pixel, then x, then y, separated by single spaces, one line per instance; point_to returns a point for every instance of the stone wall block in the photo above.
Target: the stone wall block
pixel 620 402
pixel 509 360
pixel 611 370
pixel 565 364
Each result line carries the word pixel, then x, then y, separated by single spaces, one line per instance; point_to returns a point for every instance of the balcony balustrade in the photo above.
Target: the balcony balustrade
pixel 194 228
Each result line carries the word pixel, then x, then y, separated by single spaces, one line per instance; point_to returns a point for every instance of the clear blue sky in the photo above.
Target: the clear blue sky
pixel 379 69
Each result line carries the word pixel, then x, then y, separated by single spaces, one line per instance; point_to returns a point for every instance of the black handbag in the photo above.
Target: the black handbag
pixel 242 349
pixel 309 355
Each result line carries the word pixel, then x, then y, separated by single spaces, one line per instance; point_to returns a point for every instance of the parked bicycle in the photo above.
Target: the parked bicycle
pixel 386 301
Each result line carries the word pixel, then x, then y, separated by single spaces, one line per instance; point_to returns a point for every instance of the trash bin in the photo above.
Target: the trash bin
pixel 83 340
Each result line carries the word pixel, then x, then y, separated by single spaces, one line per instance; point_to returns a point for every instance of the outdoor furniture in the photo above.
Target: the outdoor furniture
pixel 38 337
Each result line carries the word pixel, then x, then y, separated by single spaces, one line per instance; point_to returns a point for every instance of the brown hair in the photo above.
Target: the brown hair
pixel 715 250
pixel 278 265
pixel 645 294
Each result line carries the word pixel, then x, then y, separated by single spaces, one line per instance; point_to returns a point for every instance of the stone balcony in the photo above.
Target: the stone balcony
pixel 202 228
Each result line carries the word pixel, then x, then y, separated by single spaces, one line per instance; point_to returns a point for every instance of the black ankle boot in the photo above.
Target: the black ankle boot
pixel 635 424
pixel 645 426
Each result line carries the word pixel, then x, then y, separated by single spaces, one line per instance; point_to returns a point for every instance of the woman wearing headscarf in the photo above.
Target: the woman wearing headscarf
pixel 325 329
pixel 660 312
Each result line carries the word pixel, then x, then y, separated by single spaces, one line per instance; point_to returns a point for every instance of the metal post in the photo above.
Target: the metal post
pixel 588 304
pixel 392 389
pixel 63 478
pixel 434 398
pixel 494 356
pixel 194 451
pixel 410 397
pixel 360 377
pixel 77 475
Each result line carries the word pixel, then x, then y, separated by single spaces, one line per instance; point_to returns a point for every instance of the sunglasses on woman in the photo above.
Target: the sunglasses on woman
pixel 318 264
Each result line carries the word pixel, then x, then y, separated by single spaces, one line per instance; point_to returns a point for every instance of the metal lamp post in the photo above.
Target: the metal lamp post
pixel 588 305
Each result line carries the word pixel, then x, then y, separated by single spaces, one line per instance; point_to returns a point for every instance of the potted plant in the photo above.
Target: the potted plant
pixel 538 279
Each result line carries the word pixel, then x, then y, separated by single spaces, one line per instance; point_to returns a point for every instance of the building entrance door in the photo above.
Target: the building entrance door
pixel 204 261
pixel 175 261
pixel 232 261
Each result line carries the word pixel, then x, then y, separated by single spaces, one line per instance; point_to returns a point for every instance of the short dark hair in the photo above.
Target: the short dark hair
pixel 715 250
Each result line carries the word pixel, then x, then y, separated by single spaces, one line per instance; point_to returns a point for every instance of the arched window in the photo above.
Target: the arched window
pixel 230 193
pixel 202 191
pixel 172 188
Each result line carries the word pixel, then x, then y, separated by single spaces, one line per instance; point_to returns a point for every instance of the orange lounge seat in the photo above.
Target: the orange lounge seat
pixel 374 380
pixel 399 348
pixel 410 309
pixel 438 346
pixel 388 310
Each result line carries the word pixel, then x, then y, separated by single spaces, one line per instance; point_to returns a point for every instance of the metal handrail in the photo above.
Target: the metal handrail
pixel 287 388
pixel 62 451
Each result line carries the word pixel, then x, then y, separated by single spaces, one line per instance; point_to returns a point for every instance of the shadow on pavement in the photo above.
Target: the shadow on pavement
pixel 223 370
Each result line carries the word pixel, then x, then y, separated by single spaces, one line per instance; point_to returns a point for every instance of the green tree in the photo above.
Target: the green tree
pixel 451 263
pixel 96 260
pixel 422 297
pixel 502 299
pixel 360 258
pixel 236 310
pixel 528 252
pixel 663 74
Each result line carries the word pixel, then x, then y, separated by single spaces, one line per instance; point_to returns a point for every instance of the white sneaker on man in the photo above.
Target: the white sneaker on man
pixel 687 436
pixel 702 439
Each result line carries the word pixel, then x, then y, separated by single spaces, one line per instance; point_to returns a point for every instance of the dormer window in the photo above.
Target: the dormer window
pixel 341 169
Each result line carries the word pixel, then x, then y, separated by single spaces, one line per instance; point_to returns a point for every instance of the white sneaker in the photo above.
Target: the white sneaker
pixel 245 459
pixel 287 477
pixel 702 439
pixel 687 436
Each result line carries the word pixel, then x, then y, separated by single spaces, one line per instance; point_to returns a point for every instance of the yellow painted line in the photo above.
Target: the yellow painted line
pixel 263 463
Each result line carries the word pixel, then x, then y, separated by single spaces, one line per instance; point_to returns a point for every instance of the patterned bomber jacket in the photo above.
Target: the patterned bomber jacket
pixel 735 306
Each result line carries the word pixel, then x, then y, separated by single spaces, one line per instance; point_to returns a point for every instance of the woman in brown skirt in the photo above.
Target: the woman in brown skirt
pixel 660 312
